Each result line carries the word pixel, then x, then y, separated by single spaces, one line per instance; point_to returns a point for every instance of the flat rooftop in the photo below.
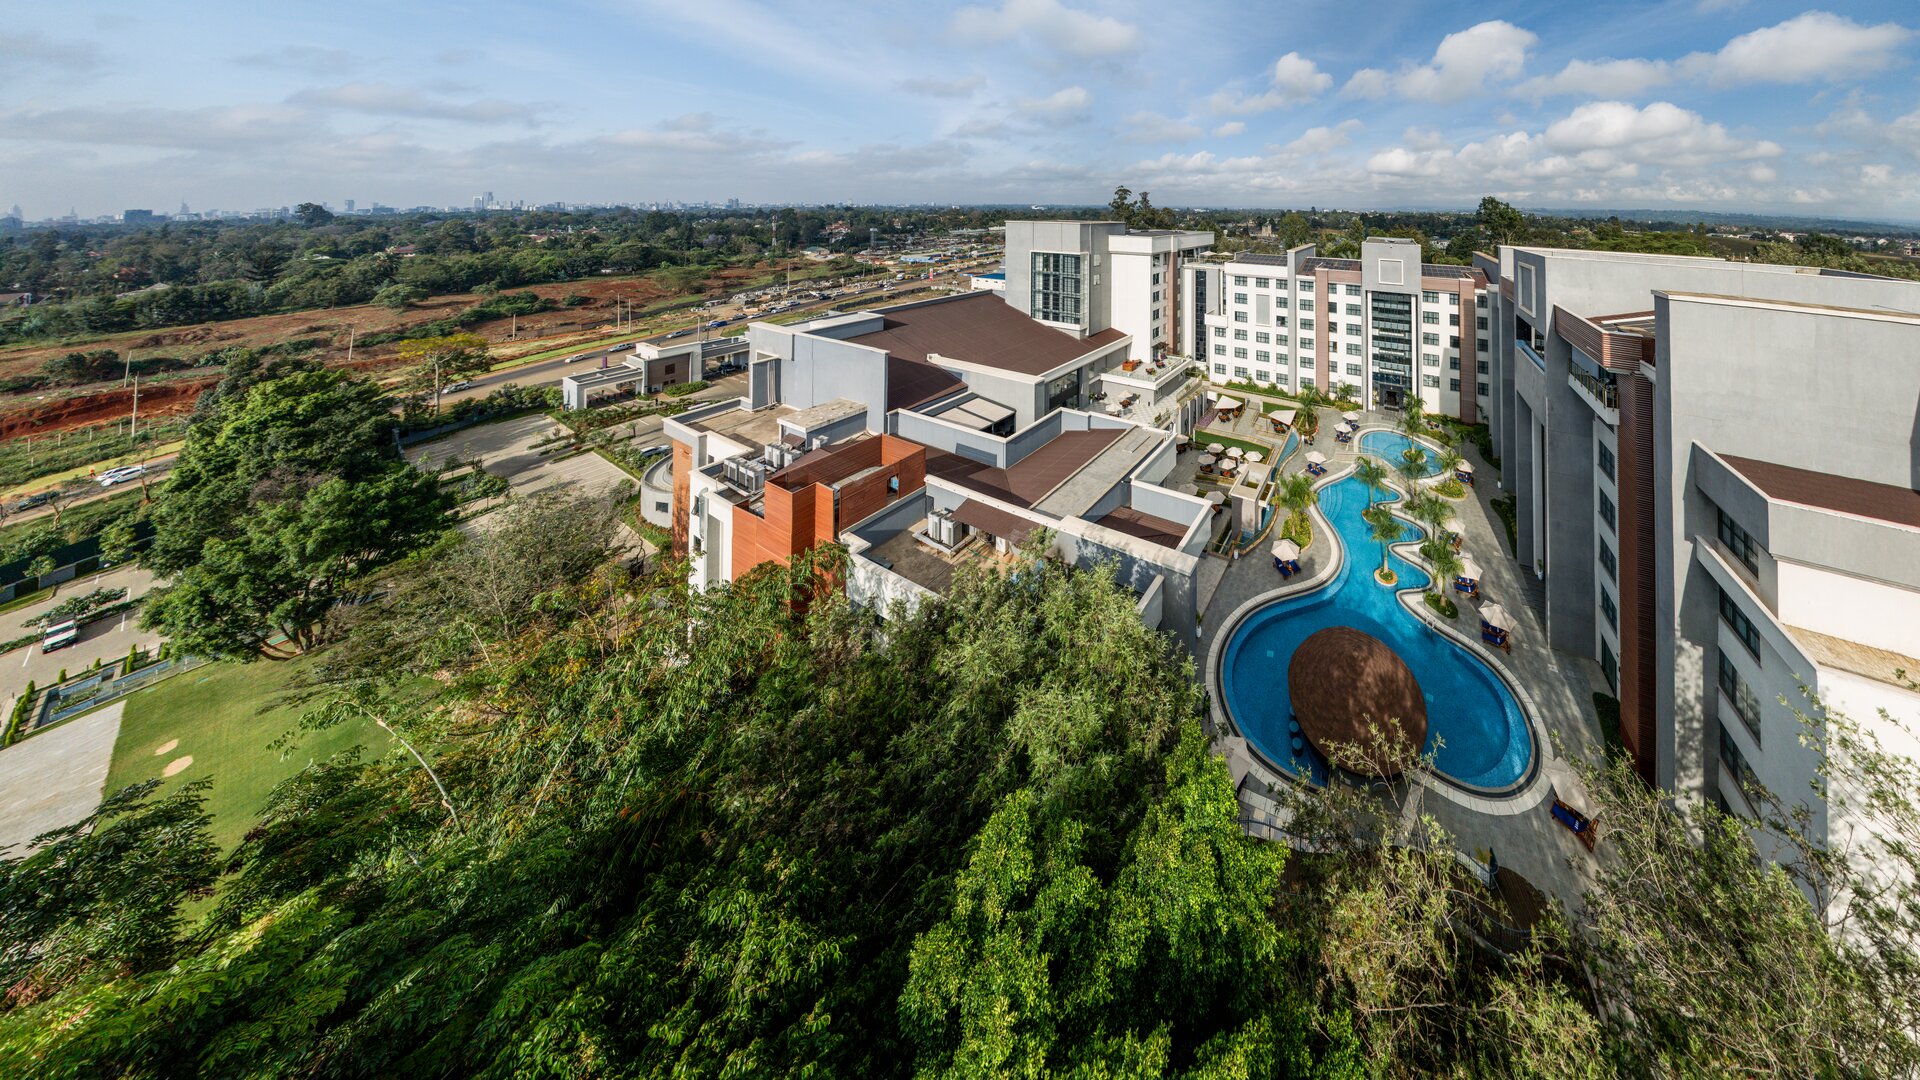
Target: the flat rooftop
pixel 924 565
pixel 1076 494
pixel 1825 491
pixel 752 429
pixel 1154 530
pixel 1034 477
pixel 980 328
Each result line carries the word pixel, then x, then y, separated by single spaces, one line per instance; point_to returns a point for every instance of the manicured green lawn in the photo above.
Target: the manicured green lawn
pixel 224 716
pixel 1207 436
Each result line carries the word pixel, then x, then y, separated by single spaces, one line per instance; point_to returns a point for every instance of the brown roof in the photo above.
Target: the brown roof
pixel 980 328
pixel 1157 530
pixel 1032 477
pixel 912 383
pixel 992 519
pixel 1844 494
pixel 1343 681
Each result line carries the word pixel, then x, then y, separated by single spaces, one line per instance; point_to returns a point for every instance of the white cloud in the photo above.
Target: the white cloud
pixel 1320 140
pixel 1818 45
pixel 387 99
pixel 1230 129
pixel 1296 80
pixel 1598 78
pixel 1660 133
pixel 1461 67
pixel 1069 103
pixel 1876 175
pixel 943 88
pixel 1151 127
pixel 1048 24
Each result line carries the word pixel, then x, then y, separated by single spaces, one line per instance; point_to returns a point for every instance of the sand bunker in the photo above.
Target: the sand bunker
pixel 176 765
pixel 166 747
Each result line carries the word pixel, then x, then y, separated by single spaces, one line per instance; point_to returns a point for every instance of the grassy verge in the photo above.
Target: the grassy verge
pixel 27 466
pixel 1443 605
pixel 223 716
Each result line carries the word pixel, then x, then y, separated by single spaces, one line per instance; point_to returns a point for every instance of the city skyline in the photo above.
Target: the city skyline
pixel 1750 106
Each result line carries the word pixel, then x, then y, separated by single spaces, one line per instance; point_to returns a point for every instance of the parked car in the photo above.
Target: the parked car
pixel 679 333
pixel 652 450
pixel 31 501
pixel 463 384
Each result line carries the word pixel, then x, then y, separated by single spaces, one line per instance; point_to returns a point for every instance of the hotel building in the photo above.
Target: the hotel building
pixel 1385 325
pixel 1715 466
pixel 1090 277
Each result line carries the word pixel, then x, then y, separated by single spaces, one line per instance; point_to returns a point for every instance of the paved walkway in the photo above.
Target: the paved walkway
pixel 56 777
pixel 1555 688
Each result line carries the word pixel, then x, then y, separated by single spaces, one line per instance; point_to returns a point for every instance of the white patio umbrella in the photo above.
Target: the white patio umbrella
pixel 1286 550
pixel 1350 417
pixel 1465 467
pixel 1228 404
pixel 1207 459
pixel 1315 457
pixel 1216 497
pixel 1115 410
pixel 1255 455
pixel 1215 448
pixel 1236 452
pixel 1182 440
pixel 1468 568
pixel 1227 465
pixel 1494 615
pixel 1342 428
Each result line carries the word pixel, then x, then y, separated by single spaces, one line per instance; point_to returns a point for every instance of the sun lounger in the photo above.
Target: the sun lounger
pixel 1576 822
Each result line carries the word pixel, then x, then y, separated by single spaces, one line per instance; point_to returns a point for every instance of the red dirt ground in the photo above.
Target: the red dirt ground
pixel 47 411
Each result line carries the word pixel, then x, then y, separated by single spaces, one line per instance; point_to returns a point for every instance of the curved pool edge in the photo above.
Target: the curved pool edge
pixel 1507 797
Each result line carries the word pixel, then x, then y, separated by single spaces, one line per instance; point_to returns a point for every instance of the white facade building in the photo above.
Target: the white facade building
pixel 1086 277
pixel 1385 324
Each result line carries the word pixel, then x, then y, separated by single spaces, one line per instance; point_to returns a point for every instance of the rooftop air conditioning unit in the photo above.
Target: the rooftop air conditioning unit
pixel 942 529
pixel 818 442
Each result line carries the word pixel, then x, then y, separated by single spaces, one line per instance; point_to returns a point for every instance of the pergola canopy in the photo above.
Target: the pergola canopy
pixel 1349 689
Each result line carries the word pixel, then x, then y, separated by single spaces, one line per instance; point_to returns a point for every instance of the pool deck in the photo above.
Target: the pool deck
pixel 1555 688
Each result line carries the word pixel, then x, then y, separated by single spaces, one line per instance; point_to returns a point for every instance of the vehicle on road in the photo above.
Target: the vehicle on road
pixel 680 333
pixel 41 498
pixel 718 323
pixel 60 635
pixel 652 450
pixel 122 475
pixel 453 387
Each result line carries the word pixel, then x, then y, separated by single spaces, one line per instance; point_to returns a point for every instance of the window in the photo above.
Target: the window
pixel 1306 304
pixel 1282 377
pixel 1745 703
pixel 1156 277
pixel 1306 324
pixel 1240 373
pixel 1280 320
pixel 1354 329
pixel 1453 385
pixel 1608 562
pixel 1262 375
pixel 1263 356
pixel 1483 344
pixel 893 485
pixel 1156 296
pixel 1239 316
pixel 1453 299
pixel 1733 764
pixel 1333 308
pixel 1430 380
pixel 1306 284
pixel 1279 339
pixel 1480 300
pixel 1280 283
pixel 1239 335
pixel 1219 369
pixel 1738 542
pixel 1055 281
pixel 1453 320
pixel 1240 354
pixel 1430 359
pixel 1453 342
pixel 1606 459
pixel 1353 290
pixel 1431 318
pixel 1481 322
pixel 1430 339
pixel 1259 283
pixel 1219 331
pixel 1484 389
pixel 1606 511
pixel 1429 296
pixel 1610 666
pixel 1480 366
pixel 1353 369
pixel 1353 348
pixel 1608 609
pixel 1263 338
pixel 1219 350
pixel 1453 363
pixel 1738 622
pixel 1240 281
pixel 1239 298
pixel 1353 310
pixel 1306 362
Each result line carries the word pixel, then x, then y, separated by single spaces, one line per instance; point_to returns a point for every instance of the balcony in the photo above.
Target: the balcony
pixel 1598 388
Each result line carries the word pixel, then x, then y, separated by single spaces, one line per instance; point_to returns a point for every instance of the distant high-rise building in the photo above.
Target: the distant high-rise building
pixel 137 217
pixel 479 202
pixel 350 205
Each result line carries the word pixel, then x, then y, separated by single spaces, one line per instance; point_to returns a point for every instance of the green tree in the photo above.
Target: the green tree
pixel 1501 221
pixel 398 296
pixel 118 541
pixel 312 214
pixel 1385 529
pixel 438 361
pixel 1293 230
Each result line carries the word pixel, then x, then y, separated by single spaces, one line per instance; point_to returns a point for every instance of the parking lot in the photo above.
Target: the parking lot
pixel 106 639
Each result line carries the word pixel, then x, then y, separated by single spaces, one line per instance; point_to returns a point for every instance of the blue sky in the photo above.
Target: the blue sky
pixel 1710 104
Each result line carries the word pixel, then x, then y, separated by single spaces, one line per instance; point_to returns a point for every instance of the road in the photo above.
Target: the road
pixel 157 470
pixel 105 639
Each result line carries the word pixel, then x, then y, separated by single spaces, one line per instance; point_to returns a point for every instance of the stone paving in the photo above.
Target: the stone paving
pixel 1555 688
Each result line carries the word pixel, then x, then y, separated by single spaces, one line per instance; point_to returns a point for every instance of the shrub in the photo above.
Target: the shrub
pixel 19 718
pixel 685 388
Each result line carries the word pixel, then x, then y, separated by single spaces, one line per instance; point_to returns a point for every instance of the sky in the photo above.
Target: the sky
pixel 1726 105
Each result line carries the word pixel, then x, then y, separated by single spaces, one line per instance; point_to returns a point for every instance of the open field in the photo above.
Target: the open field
pixel 219 720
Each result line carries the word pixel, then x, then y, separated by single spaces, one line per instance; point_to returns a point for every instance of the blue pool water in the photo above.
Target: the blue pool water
pixel 1482 736
pixel 1389 445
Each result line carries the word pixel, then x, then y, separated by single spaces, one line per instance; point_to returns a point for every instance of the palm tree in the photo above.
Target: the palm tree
pixel 1412 468
pixel 1414 420
pixel 1431 511
pixel 1386 530
pixel 1445 562
pixel 1450 460
pixel 1297 494
pixel 1373 474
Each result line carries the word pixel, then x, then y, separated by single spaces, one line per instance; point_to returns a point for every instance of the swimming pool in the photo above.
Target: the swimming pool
pixel 1389 445
pixel 1478 727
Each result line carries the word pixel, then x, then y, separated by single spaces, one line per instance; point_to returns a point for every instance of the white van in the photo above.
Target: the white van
pixel 60 635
